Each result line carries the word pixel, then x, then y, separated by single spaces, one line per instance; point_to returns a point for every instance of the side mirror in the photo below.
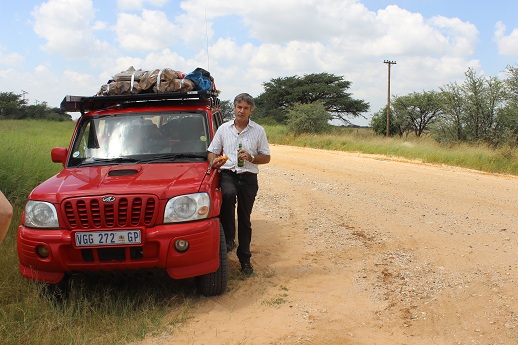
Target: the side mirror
pixel 59 155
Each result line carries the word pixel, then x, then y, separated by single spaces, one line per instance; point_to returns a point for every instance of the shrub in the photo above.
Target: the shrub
pixel 308 118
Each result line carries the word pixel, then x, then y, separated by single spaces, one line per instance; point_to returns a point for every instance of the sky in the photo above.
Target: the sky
pixel 50 49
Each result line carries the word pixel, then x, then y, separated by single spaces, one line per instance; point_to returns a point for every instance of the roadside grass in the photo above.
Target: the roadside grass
pixel 424 149
pixel 127 307
pixel 25 154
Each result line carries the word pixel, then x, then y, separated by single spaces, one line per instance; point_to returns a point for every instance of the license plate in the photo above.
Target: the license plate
pixel 107 238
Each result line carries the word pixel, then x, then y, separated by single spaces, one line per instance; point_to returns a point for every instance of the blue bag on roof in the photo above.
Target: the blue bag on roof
pixel 201 78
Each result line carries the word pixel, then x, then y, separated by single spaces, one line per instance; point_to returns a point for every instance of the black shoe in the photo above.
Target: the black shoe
pixel 231 245
pixel 247 269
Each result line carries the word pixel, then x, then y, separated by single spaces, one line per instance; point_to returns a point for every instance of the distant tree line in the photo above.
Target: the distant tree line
pixel 480 109
pixel 12 106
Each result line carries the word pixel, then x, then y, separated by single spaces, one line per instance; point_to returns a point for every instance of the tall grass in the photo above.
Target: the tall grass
pixel 100 310
pixel 25 155
pixel 424 149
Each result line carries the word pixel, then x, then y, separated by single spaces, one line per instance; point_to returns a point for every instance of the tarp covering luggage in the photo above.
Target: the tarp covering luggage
pixel 132 81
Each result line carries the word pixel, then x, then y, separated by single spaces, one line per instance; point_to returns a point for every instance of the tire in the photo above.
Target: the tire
pixel 215 283
pixel 59 292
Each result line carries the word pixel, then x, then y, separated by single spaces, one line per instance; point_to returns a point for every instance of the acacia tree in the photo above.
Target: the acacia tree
pixel 281 94
pixel 398 123
pixel 507 118
pixel 420 109
pixel 227 110
pixel 511 83
pixel 450 126
pixel 473 110
pixel 483 97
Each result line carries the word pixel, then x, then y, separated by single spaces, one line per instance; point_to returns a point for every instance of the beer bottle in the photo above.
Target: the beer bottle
pixel 240 162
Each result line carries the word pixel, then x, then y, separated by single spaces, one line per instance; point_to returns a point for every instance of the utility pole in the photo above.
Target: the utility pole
pixel 389 63
pixel 23 94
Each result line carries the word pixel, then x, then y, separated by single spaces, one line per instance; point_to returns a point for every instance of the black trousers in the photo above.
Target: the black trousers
pixel 243 189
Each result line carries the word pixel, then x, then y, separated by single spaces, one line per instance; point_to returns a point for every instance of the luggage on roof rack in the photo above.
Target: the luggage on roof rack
pixel 133 86
pixel 132 81
pixel 88 103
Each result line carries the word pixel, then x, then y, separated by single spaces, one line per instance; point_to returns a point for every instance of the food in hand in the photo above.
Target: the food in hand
pixel 220 160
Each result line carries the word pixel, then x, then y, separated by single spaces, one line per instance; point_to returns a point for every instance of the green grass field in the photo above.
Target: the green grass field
pixel 126 308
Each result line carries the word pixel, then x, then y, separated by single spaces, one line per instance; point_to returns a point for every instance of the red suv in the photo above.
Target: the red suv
pixel 136 192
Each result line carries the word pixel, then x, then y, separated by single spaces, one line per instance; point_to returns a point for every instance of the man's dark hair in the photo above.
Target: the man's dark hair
pixel 245 97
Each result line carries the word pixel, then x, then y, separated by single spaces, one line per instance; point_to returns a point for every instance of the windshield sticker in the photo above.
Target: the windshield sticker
pixel 76 154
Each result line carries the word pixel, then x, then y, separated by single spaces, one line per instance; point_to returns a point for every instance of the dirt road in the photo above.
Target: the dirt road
pixel 354 249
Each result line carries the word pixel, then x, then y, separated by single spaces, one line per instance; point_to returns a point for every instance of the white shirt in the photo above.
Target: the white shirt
pixel 227 139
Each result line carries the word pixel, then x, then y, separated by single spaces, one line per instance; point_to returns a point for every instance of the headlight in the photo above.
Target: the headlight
pixel 40 214
pixel 187 207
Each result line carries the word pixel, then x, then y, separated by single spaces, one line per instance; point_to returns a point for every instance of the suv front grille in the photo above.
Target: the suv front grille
pixel 126 211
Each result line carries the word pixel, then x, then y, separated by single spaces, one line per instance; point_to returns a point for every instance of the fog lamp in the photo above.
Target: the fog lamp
pixel 181 245
pixel 42 251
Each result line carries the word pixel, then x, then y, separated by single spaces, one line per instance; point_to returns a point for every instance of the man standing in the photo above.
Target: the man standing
pixel 240 139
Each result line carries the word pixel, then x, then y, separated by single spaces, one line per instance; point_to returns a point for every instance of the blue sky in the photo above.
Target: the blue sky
pixel 53 48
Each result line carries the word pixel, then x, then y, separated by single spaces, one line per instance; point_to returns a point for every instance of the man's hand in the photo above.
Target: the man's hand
pixel 219 161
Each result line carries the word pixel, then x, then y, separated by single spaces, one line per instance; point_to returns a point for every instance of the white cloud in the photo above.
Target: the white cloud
pixel 407 33
pixel 77 78
pixel 45 85
pixel 9 59
pixel 66 27
pixel 157 3
pixel 150 31
pixel 349 30
pixel 458 37
pixel 99 25
pixel 41 69
pixel 273 21
pixel 507 45
pixel 128 5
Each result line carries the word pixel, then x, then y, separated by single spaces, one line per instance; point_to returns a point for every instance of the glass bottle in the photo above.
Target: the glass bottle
pixel 240 162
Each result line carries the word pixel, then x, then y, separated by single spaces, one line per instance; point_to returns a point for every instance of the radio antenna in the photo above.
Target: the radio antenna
pixel 207 38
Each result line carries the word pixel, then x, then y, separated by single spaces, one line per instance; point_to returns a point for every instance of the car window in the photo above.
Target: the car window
pixel 136 135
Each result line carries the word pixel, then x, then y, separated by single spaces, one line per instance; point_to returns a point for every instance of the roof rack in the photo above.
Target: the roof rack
pixel 85 103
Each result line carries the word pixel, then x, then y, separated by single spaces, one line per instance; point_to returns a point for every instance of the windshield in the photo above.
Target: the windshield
pixel 133 138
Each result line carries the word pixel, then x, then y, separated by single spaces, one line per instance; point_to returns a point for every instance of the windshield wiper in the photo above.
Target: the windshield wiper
pixel 168 157
pixel 116 160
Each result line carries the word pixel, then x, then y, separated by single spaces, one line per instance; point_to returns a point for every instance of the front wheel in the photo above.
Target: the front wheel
pixel 215 283
pixel 58 292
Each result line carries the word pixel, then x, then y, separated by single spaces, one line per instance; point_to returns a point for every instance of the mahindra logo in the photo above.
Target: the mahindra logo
pixel 108 199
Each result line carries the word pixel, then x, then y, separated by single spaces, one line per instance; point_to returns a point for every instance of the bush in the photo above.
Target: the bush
pixel 308 118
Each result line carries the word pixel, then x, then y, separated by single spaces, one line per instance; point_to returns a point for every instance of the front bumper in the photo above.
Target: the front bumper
pixel 156 250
